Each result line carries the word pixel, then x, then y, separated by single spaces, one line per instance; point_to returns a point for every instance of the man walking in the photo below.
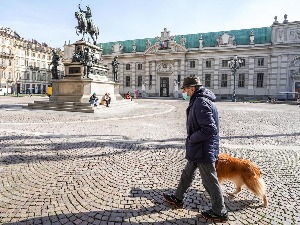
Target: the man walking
pixel 202 149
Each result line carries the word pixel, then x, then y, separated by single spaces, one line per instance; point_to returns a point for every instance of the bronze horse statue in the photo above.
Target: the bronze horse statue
pixel 85 27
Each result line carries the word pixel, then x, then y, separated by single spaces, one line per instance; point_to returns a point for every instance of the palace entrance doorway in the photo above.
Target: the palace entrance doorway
pixel 164 87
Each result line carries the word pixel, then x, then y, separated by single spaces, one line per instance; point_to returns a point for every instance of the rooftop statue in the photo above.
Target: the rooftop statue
pixel 85 24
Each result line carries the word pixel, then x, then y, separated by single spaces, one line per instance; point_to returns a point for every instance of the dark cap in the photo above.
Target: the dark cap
pixel 190 81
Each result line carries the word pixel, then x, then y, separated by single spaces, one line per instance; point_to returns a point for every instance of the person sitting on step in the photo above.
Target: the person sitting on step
pixel 107 99
pixel 94 100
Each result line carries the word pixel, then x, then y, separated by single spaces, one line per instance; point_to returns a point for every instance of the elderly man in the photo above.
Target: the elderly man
pixel 202 149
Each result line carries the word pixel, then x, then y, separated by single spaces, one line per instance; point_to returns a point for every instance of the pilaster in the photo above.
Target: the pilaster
pixel 215 78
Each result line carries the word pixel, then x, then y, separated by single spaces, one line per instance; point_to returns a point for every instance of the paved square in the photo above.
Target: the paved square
pixel 112 167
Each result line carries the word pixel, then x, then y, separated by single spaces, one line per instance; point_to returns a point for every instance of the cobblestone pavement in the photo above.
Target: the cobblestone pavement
pixel 104 168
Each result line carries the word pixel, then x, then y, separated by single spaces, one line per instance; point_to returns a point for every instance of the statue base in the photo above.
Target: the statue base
pixel 71 90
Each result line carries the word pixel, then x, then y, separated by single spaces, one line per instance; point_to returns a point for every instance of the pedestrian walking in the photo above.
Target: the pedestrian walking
pixel 202 149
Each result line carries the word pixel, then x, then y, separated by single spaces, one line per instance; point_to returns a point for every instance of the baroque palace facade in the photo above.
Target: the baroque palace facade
pixel 270 61
pixel 24 64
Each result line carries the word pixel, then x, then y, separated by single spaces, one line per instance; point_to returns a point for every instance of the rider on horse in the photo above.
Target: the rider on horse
pixel 88 15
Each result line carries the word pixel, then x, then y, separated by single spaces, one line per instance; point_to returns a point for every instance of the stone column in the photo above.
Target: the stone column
pixel 133 76
pixel 273 75
pixel 121 77
pixel 154 76
pixel 146 78
pixel 284 79
pixel 215 78
pixel 251 75
pixel 200 70
pixel 182 67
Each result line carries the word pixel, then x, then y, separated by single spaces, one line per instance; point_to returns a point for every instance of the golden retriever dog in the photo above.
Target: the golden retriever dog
pixel 241 172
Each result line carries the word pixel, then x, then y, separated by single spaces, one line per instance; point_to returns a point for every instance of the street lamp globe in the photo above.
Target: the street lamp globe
pixel 234 64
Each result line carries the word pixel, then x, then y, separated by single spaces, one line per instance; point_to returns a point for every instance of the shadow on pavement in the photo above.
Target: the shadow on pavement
pixel 159 207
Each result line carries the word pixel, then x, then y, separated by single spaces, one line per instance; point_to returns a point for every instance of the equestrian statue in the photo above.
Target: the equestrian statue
pixel 85 24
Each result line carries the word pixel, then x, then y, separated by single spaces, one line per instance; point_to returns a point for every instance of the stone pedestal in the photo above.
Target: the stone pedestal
pixel 71 90
pixel 74 87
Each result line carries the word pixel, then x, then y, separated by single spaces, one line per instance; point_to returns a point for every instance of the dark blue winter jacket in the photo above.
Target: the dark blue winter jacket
pixel 202 143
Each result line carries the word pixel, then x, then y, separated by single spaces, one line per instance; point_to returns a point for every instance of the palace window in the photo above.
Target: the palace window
pixel 140 80
pixel 208 64
pixel 178 78
pixel 150 80
pixel 224 80
pixel 241 82
pixel 207 80
pixel 243 62
pixel 127 81
pixel 225 63
pixel 192 64
pixel 127 66
pixel 260 80
pixel 140 66
pixel 260 62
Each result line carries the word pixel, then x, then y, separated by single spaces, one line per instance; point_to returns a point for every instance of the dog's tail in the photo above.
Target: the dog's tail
pixel 258 187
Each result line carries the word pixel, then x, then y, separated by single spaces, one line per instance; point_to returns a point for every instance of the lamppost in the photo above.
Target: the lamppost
pixel 234 64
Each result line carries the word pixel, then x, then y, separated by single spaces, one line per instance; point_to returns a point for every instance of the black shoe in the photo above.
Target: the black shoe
pixel 171 199
pixel 210 215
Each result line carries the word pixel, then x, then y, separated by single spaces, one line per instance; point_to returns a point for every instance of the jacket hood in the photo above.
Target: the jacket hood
pixel 203 92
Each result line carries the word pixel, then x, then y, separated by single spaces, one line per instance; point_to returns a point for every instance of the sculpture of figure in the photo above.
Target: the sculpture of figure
pixel 88 15
pixel 218 41
pixel 54 62
pixel 201 41
pixel 134 47
pixel 112 49
pixel 231 40
pixel 158 39
pixel 148 44
pixel 182 40
pixel 251 37
pixel 85 24
pixel 115 65
pixel 285 18
pixel 275 20
pixel 165 34
pixel 78 55
pixel 88 61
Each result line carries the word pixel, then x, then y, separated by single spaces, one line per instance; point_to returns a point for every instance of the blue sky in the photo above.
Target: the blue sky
pixel 54 22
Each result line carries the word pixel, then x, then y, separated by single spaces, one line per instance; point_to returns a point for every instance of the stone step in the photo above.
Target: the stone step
pixel 79 107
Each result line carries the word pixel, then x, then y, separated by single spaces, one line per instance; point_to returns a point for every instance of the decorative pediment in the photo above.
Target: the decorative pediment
pixel 225 40
pixel 166 67
pixel 165 43
pixel 117 48
pixel 171 46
